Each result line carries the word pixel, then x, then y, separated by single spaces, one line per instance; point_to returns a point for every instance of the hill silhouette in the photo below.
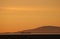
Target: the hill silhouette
pixel 39 30
pixel 44 29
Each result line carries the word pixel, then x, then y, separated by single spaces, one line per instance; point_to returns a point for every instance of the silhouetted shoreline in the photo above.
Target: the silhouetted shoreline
pixel 37 31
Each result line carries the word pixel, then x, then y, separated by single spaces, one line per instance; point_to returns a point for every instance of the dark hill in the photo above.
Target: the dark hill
pixel 44 29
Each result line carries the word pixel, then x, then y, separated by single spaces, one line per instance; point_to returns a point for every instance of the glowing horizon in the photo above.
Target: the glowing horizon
pixel 18 15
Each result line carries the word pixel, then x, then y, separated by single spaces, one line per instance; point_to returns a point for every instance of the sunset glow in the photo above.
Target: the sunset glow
pixel 18 15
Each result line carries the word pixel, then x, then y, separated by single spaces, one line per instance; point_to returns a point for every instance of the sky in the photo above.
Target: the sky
pixel 18 15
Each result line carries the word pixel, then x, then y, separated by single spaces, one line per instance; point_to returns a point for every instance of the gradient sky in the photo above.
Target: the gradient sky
pixel 18 15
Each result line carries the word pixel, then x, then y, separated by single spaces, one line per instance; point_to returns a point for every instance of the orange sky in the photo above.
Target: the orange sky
pixel 17 15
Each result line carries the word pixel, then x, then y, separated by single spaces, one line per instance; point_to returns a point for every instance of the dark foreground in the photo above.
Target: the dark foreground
pixel 36 36
pixel 30 35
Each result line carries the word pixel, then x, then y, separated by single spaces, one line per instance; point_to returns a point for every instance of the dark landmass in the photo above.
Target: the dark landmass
pixel 44 29
pixel 39 30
